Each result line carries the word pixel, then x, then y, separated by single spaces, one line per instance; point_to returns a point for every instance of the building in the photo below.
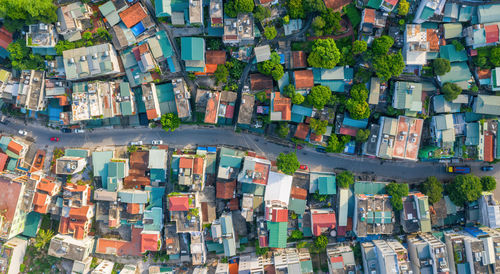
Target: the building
pixel 322 220
pixel 444 130
pixel 373 215
pixel 182 208
pixel 223 232
pixel 193 53
pixel 340 260
pixel 338 79
pixel 415 216
pixel 287 261
pixel 182 96
pixel 77 211
pixel 486 104
pixel 31 92
pixel 246 109
pixel 191 170
pixel 250 263
pixel 262 53
pixel 281 107
pixel 68 165
pixel 278 189
pixel 46 190
pixel 254 175
pixel 196 12
pixel 239 30
pixel 65 246
pixel 70 20
pixel 384 256
pixel 428 254
pixel 490 211
pixel 399 138
pixel 105 267
pixel 212 107
pixel 216 14
pixel 427 9
pixel 90 62
pixel 408 97
pixel 12 255
pixel 150 99
pixel 13 205
pixel 420 44
pixel 42 36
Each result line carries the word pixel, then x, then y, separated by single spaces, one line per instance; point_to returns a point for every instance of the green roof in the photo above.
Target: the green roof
pixel 374 4
pixel 126 108
pixel 156 196
pixel 83 153
pixel 31 226
pixel 459 72
pixel 369 188
pixel 426 13
pixel 135 197
pixel 4 142
pixel 449 52
pixel 277 234
pixel 162 8
pixel 11 166
pixel 327 185
pixel 116 169
pixel 156 216
pixel 452 30
pixel 193 48
pixel 157 175
pixel 306 266
pixel 230 161
pixel 296 205
pixel 100 159
pixel 408 96
pixel 253 189
pixel 378 217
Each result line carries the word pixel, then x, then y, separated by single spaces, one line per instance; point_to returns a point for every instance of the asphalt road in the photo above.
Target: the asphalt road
pixel 193 135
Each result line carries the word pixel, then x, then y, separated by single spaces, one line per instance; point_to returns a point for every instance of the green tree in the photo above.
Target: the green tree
pixel 458 45
pixel 332 20
pixel 260 251
pixel 296 9
pixel 297 99
pixel 260 12
pixel 441 66
pixel 495 56
pixel 345 179
pixel 318 126
pixel 63 45
pixel 43 238
pixel 286 19
pixel 87 35
pixel 482 61
pixel 386 66
pixel 277 72
pixel 268 67
pixel 433 189
pixel 451 91
pixel 362 135
pixel 397 191
pixel 312 6
pixel 103 33
pixel 489 183
pixel 359 92
pixel 319 96
pixel 221 74
pixel 363 75
pixel 325 54
pixel 270 32
pixel 18 13
pixel 22 58
pixel 170 121
pixel 283 130
pixel 296 235
pixel 318 24
pixel 359 46
pixel 335 145
pixel 382 44
pixel 287 163
pixel 321 242
pixel 358 109
pixel 404 7
pixel 464 188
pixel 233 7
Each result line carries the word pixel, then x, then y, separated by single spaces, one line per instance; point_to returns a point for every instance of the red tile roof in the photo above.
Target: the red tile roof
pixel 120 247
pixel 75 188
pixel 304 79
pixel 337 259
pixel 263 170
pixel 225 190
pixel 283 105
pixel 11 192
pixel 488 148
pixel 212 108
pixel 322 220
pixel 39 199
pixel 298 193
pixel 229 111
pixel 178 203
pixel 348 131
pixel 15 147
pixel 149 242
pixel 299 59
pixel 198 166
pixel 185 162
pixel 63 225
pixel 483 73
pixel 260 82
pixel 133 15
pixel 315 138
pixel 279 215
pixel 136 181
pixel 5 38
pixel 217 57
pixel 47 186
pixel 3 160
pixel 152 114
pixel 234 204
pixel 302 131
pixel 369 16
pixel 263 241
pixel 491 32
pixel 133 208
pixel 233 268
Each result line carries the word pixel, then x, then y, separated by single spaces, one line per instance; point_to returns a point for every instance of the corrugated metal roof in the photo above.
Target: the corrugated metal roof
pixel 277 234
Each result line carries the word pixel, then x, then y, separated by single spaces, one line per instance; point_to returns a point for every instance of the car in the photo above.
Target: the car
pixel 79 130
pixel 487 168
pixel 4 120
pixel 136 143
pixel 299 147
pixel 54 139
pixel 157 142
pixel 321 149
pixel 303 167
pixel 65 130
pixel 23 132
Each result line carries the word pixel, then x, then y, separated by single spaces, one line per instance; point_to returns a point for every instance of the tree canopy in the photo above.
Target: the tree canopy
pixel 170 121
pixel 233 7
pixel 441 66
pixel 382 44
pixel 312 6
pixel 18 13
pixel 362 135
pixel 319 96
pixel 325 54
pixel 359 46
pixel 397 191
pixel 296 9
pixel 433 189
pixel 318 126
pixel 296 97
pixel 270 32
pixel 345 179
pixel 403 8
pixel 221 74
pixel 288 163
pixel 321 242
pixel 489 183
pixel 464 188
pixel 356 105
pixel 495 56
pixel 451 91
pixel 337 145
pixel 260 12
pixel 272 67
pixel 22 58
pixel 388 65
pixel 458 45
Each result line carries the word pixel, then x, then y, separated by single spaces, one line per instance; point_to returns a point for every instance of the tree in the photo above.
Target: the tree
pixel 170 121
pixel 489 183
pixel 321 242
pixel 404 7
pixel 441 66
pixel 482 61
pixel 464 188
pixel 270 32
pixel 63 45
pixel 359 92
pixel 286 19
pixel 287 163
pixel 270 66
pixel 363 75
pixel 382 44
pixel 451 91
pixel 43 238
pixel 277 72
pixel 18 13
pixel 345 179
pixel 433 189
pixel 386 66
pixel 318 126
pixel 221 74
pixel 335 145
pixel 283 130
pixel 397 191
pixel 358 109
pixel 296 9
pixel 312 6
pixel 318 24
pixel 458 45
pixel 297 99
pixel 296 235
pixel 319 96
pixel 234 7
pixel 260 250
pixel 260 12
pixel 87 35
pixel 22 58
pixel 362 135
pixel 103 33
pixel 332 20
pixel 359 46
pixel 325 54
pixel 495 56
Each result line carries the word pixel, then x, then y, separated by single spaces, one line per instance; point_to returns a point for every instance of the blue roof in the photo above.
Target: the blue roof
pixel 138 29
pixel 348 121
pixel 31 226
pixel 54 113
pixel 45 51
pixel 162 8
pixel 4 53
pixel 100 160
pixel 156 196
pixel 157 175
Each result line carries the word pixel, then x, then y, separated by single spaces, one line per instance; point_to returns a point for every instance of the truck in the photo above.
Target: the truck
pixel 458 169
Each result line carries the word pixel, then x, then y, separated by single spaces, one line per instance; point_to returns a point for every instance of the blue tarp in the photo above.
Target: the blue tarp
pixel 138 29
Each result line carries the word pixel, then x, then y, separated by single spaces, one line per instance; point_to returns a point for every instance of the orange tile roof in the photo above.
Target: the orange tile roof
pixel 299 59
pixel 185 162
pixel 488 148
pixel 178 203
pixel 369 16
pixel 15 147
pixel 133 208
pixel 316 138
pixel 152 114
pixel 483 73
pixel 302 131
pixel 47 186
pixel 79 213
pixel 133 15
pixel 212 108
pixel 225 190
pixel 119 247
pixel 283 105
pixel 433 39
pixel 217 57
pixel 233 268
pixel 198 166
pixel 298 193
pixel 263 170
pixel 322 220
pixel 39 199
pixel 3 160
pixel 9 196
pixel 136 181
pixel 149 242
pixel 139 160
pixel 75 188
pixel 63 225
pixel 234 204
pixel 79 233
pixel 304 79
pixel 336 4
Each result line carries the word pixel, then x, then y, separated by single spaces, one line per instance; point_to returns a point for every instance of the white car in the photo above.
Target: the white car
pixel 78 130
pixel 22 132
pixel 137 143
pixel 157 142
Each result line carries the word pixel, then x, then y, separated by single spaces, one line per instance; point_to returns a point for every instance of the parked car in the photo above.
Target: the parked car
pixel 136 143
pixel 321 149
pixel 157 142
pixel 65 130
pixel 487 168
pixel 79 130
pixel 299 147
pixel 54 139
pixel 23 132
pixel 303 167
